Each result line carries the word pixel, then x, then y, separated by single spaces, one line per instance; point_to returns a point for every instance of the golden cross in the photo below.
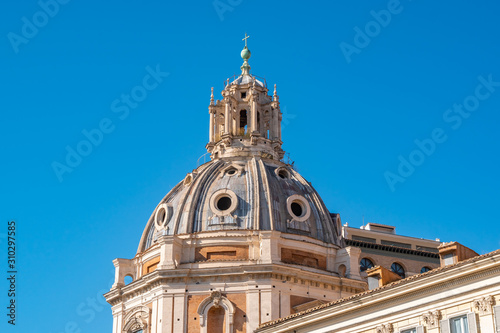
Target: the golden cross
pixel 245 39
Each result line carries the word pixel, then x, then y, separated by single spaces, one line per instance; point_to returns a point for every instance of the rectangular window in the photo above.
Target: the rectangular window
pixel 448 259
pixel 407 246
pixel 459 325
pixel 411 330
pixel 496 311
pixel 364 239
pixel 428 249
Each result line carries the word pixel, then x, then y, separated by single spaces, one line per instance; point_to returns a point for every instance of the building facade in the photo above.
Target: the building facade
pixel 381 246
pixel 459 297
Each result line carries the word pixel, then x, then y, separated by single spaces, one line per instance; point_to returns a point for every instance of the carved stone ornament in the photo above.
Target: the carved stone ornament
pixel 431 318
pixel 216 297
pixel 136 319
pixel 484 305
pixel 384 328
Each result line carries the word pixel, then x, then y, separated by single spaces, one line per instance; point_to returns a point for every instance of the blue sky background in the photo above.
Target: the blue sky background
pixel 345 125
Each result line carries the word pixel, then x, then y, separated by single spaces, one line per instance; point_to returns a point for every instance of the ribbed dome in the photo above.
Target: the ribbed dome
pixel 245 79
pixel 242 194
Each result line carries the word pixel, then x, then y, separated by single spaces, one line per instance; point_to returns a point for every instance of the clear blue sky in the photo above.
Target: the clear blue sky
pixel 354 105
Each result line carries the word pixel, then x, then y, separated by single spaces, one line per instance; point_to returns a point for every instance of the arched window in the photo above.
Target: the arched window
pixel 365 264
pixel 342 270
pixel 128 279
pixel 216 319
pixel 216 314
pixel 243 122
pixel 425 269
pixel 258 121
pixel 398 269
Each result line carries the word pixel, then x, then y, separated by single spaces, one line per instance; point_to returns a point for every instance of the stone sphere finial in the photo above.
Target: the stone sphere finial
pixel 245 53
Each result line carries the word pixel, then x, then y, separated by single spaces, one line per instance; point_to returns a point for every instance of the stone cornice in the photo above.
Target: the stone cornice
pixel 168 278
pixel 390 248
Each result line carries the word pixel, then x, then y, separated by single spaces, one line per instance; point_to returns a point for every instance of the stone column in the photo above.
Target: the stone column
pixel 154 317
pixel 117 318
pixel 285 304
pixel 227 117
pixel 276 122
pixel 179 313
pixel 253 310
pixel 278 126
pixel 211 131
pixel 254 114
pixel 165 311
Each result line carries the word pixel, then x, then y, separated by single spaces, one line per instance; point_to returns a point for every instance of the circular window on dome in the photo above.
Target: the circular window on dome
pixel 163 215
pixel 231 171
pixel 188 180
pixel 282 173
pixel 223 202
pixel 298 207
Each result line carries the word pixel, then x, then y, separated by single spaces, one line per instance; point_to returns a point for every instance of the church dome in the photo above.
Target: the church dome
pixel 242 239
pixel 242 194
pixel 246 186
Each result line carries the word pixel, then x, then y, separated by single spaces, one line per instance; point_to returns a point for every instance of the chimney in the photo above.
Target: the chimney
pixel 379 276
pixel 453 252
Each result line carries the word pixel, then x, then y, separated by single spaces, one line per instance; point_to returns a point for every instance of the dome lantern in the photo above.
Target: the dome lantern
pixel 247 120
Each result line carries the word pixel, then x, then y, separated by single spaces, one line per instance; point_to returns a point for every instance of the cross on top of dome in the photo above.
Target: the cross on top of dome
pixel 245 54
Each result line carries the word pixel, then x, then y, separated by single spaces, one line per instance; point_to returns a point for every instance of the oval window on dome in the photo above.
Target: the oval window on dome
pixel 298 207
pixel 188 180
pixel 163 215
pixel 223 202
pixel 231 171
pixel 282 173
